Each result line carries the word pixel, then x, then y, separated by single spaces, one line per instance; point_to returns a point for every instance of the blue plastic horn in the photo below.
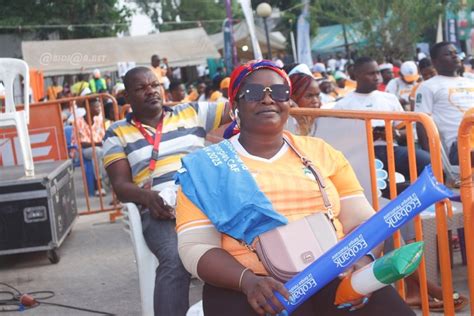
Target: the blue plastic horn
pixel 418 196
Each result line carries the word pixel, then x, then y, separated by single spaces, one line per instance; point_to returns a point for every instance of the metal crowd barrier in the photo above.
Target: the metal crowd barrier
pixel 434 146
pixel 467 196
pixel 84 101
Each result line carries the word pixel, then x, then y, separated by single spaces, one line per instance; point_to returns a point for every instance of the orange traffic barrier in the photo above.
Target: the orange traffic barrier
pixel 46 120
pixel 408 118
pixel 46 134
pixel 125 109
pixel 467 196
pixel 84 101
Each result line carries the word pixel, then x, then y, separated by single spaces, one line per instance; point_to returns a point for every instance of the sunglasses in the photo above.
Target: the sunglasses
pixel 254 92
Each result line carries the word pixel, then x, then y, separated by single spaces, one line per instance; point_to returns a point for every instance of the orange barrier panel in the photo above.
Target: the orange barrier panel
pixel 48 142
pixel 84 102
pixel 467 196
pixel 46 136
pixel 125 109
pixel 434 145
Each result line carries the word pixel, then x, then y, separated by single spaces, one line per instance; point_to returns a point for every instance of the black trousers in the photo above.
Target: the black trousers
pixel 384 302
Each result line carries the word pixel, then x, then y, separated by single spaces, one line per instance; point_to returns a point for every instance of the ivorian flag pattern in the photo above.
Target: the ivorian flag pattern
pixel 392 267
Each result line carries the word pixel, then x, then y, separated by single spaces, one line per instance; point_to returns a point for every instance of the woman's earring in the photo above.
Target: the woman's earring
pixel 237 118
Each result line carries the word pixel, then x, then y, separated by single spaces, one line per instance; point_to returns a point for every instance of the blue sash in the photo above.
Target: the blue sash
pixel 217 181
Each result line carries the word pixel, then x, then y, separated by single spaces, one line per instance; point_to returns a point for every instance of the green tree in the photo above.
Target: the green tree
pixel 43 17
pixel 391 27
pixel 166 16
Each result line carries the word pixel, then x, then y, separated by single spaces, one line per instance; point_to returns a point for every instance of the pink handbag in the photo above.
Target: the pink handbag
pixel 289 249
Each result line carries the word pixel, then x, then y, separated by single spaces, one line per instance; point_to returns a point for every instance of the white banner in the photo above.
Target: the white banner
pixel 247 10
pixel 303 39
pixel 125 66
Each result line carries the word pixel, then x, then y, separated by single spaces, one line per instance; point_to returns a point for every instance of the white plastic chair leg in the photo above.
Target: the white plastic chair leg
pixel 196 310
pixel 24 138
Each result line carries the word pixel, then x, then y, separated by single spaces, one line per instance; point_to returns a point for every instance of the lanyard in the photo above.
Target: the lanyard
pixel 154 142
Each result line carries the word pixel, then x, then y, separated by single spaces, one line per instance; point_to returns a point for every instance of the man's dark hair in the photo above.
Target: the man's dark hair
pixel 199 81
pixel 289 67
pixel 471 62
pixel 361 61
pixel 94 101
pixel 174 85
pixel 129 76
pixel 424 63
pixel 435 49
pixel 82 77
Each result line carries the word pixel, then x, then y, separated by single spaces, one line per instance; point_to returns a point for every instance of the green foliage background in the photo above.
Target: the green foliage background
pixel 41 13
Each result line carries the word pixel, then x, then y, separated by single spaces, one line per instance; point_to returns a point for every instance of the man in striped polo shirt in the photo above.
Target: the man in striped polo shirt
pixel 141 155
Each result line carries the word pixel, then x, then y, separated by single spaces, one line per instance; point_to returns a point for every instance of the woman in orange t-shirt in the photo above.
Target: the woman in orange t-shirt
pixel 236 283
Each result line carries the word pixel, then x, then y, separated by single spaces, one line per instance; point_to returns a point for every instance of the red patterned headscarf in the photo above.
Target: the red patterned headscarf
pixel 243 71
pixel 238 76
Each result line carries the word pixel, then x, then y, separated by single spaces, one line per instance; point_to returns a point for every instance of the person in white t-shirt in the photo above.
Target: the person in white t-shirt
pixel 419 54
pixel 340 62
pixel 402 86
pixel 326 96
pixel 366 97
pixel 445 97
pixel 332 64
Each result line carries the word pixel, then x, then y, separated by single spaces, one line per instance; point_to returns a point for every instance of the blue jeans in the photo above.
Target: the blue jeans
pixel 401 159
pixel 171 295
pixel 453 154
pixel 402 166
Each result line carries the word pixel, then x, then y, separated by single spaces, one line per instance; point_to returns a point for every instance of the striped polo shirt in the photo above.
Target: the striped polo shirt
pixel 184 130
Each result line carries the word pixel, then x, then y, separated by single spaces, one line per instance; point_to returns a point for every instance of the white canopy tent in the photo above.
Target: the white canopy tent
pixel 182 48
pixel 242 37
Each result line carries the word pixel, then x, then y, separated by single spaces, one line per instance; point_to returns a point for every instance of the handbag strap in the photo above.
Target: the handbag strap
pixel 319 179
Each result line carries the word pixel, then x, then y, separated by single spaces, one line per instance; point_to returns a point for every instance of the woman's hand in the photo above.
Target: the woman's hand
pixel 356 304
pixel 259 291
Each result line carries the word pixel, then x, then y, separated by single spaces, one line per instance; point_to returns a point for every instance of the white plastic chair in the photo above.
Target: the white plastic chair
pixel 334 131
pixel 10 68
pixel 146 260
pixel 452 171
pixel 196 310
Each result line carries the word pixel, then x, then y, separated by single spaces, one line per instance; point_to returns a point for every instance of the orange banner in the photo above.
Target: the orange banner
pixel 37 84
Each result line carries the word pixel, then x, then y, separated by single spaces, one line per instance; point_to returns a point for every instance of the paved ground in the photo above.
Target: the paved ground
pixel 97 270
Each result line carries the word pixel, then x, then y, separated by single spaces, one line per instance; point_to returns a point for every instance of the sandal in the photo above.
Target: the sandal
pixel 433 305
pixel 460 302
pixel 436 305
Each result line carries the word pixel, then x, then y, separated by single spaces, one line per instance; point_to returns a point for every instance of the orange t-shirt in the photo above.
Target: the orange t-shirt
pixel 84 130
pixel 53 92
pixel 351 84
pixel 288 185
pixel 343 92
pixel 215 96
